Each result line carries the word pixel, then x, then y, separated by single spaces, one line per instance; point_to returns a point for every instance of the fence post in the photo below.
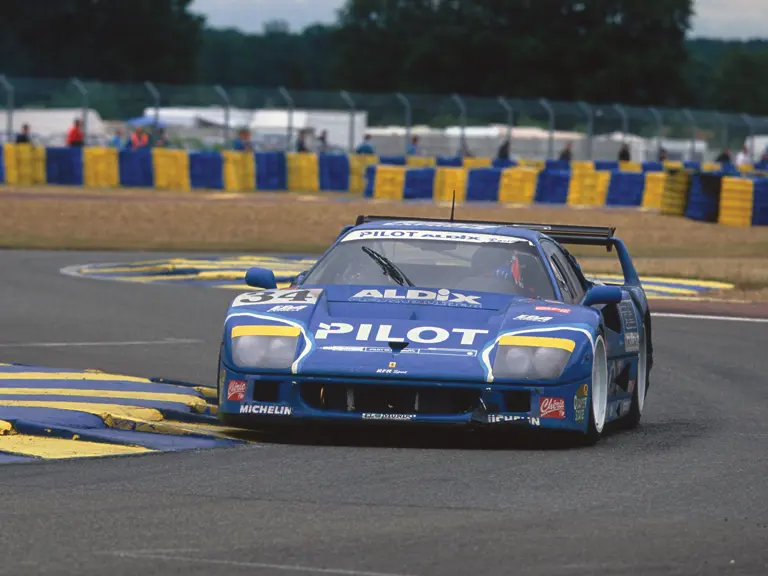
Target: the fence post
pixel 587 109
pixel 510 115
pixel 624 121
pixel 289 101
pixel 551 112
pixel 351 103
pixel 726 130
pixel 155 99
pixel 225 97
pixel 659 128
pixel 462 120
pixel 694 129
pixel 84 93
pixel 748 121
pixel 9 93
pixel 408 118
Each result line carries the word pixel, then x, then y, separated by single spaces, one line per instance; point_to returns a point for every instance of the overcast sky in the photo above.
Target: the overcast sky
pixel 714 18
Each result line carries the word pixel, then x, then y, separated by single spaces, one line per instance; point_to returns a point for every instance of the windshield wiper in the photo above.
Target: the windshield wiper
pixel 388 267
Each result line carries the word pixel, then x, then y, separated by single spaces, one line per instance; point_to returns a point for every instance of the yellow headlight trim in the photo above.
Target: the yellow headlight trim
pixel 238 331
pixel 538 342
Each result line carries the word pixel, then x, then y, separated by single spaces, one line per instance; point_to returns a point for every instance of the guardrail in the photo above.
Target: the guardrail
pixel 710 192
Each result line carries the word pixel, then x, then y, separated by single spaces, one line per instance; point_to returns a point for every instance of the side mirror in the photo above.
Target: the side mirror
pixel 603 295
pixel 260 278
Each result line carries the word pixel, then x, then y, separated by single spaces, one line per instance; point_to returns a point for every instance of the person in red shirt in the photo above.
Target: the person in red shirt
pixel 139 138
pixel 75 135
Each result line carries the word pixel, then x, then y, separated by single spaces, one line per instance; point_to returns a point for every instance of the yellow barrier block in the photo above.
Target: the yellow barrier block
pixel 24 164
pixel 583 183
pixel 239 171
pixel 171 169
pixel 582 166
pixel 421 161
pixel 672 165
pixel 736 201
pixel 390 183
pixel 674 192
pixel 711 166
pixel 477 162
pixel 358 163
pixel 101 168
pixel 594 193
pixel 746 168
pixel 537 164
pixel 630 167
pixel 654 189
pixel 449 180
pixel 518 185
pixel 303 170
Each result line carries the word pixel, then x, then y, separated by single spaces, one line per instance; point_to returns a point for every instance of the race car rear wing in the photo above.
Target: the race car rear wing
pixel 562 233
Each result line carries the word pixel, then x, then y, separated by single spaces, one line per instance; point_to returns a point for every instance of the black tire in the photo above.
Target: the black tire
pixel 598 394
pixel 645 360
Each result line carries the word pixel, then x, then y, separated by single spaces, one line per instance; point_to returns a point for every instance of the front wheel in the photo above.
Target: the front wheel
pixel 598 406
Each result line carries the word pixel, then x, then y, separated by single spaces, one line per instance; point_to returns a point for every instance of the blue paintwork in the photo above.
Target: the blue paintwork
pixel 340 343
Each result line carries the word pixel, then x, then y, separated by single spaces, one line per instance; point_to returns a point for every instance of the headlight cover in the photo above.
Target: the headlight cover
pixel 531 357
pixel 267 347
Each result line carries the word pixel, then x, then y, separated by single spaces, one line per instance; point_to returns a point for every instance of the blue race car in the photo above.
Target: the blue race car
pixel 429 321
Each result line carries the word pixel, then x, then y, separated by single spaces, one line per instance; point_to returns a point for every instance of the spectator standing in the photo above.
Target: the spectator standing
pixel 161 140
pixel 413 147
pixel 663 155
pixel 75 136
pixel 742 157
pixel 624 155
pixel 243 141
pixel 323 141
pixel 724 157
pixel 139 138
pixel 301 142
pixel 117 139
pixel 23 137
pixel 366 147
pixel 567 154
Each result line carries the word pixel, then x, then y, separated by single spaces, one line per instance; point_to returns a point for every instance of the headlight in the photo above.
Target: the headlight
pixel 531 358
pixel 270 347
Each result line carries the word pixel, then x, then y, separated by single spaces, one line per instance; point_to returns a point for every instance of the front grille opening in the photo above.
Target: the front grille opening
pixel 357 399
pixel 517 401
pixel 266 390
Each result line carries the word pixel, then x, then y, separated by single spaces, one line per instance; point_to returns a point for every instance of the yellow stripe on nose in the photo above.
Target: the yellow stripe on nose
pixel 239 331
pixel 538 341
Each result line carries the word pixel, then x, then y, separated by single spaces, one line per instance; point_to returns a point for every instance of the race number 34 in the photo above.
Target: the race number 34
pixel 278 297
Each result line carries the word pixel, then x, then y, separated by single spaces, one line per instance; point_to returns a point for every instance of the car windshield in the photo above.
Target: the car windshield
pixel 478 262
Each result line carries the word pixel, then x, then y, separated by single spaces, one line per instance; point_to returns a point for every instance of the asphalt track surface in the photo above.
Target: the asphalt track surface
pixel 687 493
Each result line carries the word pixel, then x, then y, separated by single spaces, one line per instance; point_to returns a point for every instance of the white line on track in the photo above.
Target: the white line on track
pixel 234 563
pixel 85 344
pixel 703 317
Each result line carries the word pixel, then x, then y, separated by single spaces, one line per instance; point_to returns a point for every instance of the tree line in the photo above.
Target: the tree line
pixel 629 51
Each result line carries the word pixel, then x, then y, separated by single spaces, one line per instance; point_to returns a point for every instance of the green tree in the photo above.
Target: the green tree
pixel 119 40
pixel 739 83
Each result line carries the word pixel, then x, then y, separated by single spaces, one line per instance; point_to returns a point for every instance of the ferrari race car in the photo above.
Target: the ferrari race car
pixel 429 321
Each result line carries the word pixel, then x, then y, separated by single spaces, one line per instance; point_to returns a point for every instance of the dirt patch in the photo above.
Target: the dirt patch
pixel 76 218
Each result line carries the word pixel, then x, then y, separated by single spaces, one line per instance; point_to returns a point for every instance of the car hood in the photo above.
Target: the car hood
pixel 414 333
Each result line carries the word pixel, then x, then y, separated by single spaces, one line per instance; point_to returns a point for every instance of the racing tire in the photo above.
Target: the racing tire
pixel 632 420
pixel 598 394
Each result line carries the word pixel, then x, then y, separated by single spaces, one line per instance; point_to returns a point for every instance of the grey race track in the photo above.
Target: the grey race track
pixel 685 494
